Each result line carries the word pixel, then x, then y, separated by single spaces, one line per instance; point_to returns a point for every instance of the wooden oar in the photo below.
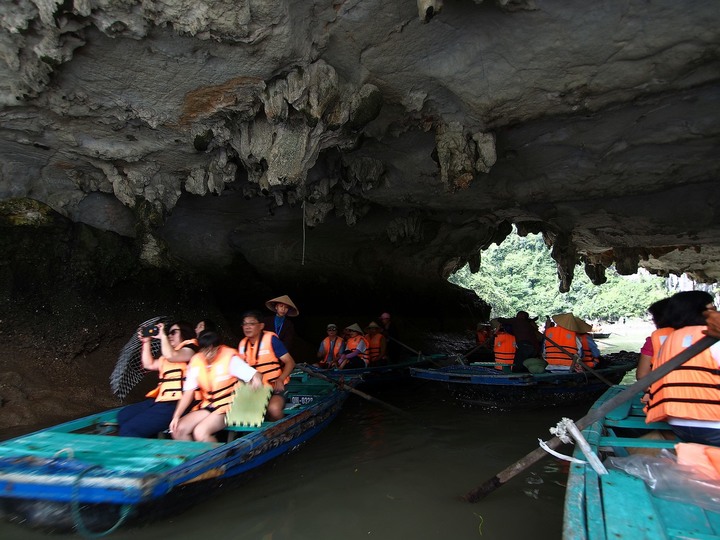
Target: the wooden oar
pixel 418 352
pixel 594 415
pixel 342 385
pixel 406 346
pixel 584 366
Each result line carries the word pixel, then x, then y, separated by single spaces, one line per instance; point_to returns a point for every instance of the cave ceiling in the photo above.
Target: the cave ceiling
pixel 321 138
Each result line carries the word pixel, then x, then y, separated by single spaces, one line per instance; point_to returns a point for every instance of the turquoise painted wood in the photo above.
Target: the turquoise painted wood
pixel 619 505
pixel 117 480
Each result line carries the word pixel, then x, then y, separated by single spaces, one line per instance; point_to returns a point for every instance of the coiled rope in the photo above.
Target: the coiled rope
pixel 75 508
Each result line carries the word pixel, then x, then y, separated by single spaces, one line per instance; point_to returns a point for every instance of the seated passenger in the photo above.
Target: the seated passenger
pixel 205 324
pixel 214 371
pixel 688 398
pixel 331 348
pixel 591 353
pixel 355 355
pixel 376 345
pixel 264 351
pixel 562 348
pixel 504 347
pixel 152 416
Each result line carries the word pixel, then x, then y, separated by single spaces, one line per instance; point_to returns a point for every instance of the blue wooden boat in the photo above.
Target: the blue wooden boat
pixel 485 386
pixel 76 476
pixel 388 373
pixel 621 505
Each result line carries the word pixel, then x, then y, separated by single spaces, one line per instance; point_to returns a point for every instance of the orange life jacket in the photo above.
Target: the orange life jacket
pixel 484 337
pixel 331 353
pixel 352 345
pixel 374 346
pixel 262 357
pixel 587 358
pixel 171 377
pixel 691 391
pixel 504 348
pixel 562 353
pixel 657 338
pixel 214 379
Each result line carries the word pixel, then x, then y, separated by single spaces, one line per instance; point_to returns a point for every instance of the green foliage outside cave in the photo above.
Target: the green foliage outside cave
pixel 519 274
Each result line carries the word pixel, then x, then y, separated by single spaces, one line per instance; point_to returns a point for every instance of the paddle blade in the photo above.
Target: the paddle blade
pixel 128 368
pixel 248 406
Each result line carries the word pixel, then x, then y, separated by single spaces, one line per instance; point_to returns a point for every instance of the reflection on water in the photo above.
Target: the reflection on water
pixel 373 474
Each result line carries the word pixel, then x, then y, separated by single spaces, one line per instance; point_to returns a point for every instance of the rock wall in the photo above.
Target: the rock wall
pixel 319 143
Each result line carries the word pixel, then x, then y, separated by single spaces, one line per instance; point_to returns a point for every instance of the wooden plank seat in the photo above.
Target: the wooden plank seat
pixel 633 442
pixel 636 422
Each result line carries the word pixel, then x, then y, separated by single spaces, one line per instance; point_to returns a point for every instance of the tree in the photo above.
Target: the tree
pixel 519 274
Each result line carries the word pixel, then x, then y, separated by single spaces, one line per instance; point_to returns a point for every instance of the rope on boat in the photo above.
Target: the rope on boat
pixel 568 432
pixel 75 507
pixel 558 455
pixel 69 450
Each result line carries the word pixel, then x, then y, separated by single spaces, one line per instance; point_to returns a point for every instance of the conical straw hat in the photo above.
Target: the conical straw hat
pixel 568 321
pixel 293 311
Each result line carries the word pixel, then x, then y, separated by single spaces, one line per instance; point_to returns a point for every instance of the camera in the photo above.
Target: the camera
pixel 149 331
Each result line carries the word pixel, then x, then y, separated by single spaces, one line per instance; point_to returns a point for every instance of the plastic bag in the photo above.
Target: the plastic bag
pixel 669 480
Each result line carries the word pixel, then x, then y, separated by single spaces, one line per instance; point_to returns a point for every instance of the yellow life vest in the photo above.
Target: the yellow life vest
pixel 171 377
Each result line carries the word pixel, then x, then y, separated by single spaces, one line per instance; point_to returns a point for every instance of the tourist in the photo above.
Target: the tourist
pixel 330 348
pixel 214 371
pixel 712 318
pixel 562 347
pixel 654 341
pixel 527 338
pixel 355 354
pixel 205 324
pixel 279 323
pixel 264 351
pixel 394 350
pixel 504 346
pixel 484 336
pixel 688 398
pixel 590 350
pixel 376 345
pixel 152 416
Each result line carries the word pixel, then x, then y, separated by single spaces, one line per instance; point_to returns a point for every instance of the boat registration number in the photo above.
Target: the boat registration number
pixel 302 400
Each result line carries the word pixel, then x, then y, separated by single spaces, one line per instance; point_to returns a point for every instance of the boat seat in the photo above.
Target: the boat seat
pixel 633 442
pixel 635 422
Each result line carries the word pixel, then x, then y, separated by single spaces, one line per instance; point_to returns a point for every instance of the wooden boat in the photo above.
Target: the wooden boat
pixel 483 385
pixel 599 335
pixel 380 374
pixel 621 505
pixel 74 476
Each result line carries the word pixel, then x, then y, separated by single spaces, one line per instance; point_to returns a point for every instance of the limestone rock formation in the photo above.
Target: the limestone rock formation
pixel 309 141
